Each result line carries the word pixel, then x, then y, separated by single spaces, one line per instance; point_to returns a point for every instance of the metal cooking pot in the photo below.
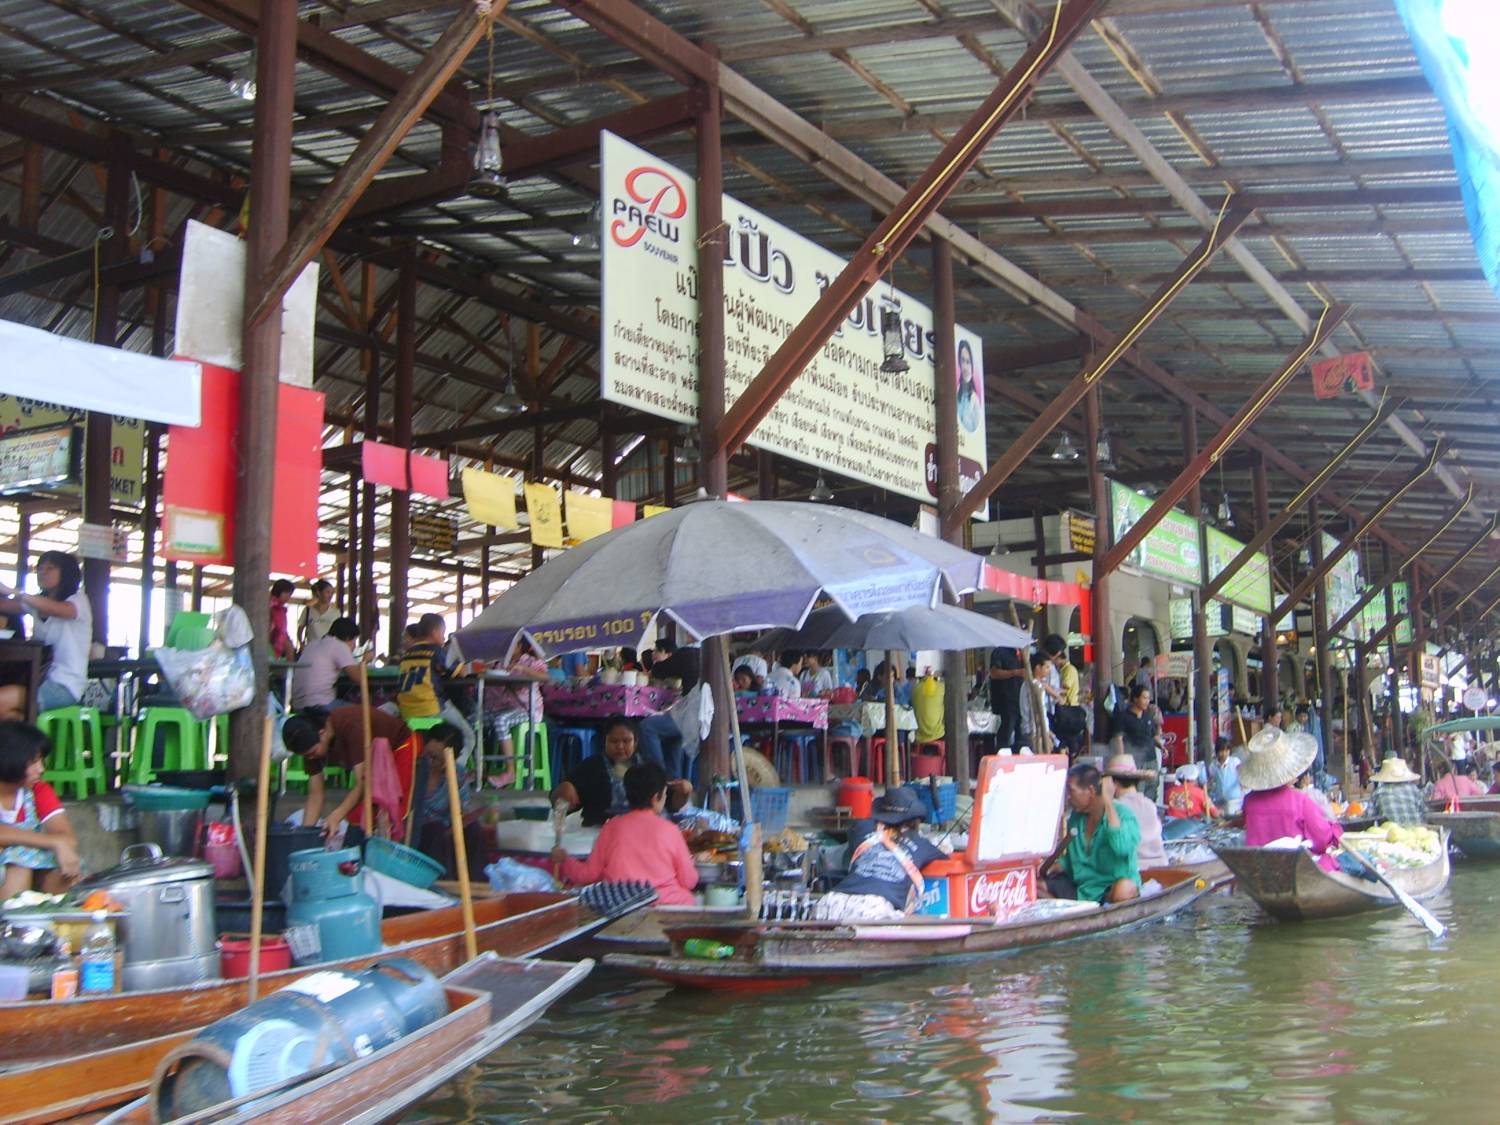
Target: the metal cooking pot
pixel 169 904
pixel 175 831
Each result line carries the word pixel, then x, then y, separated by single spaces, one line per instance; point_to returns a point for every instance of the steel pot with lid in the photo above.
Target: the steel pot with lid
pixel 169 904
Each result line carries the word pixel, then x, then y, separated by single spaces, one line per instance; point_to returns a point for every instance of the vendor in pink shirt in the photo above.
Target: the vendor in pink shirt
pixel 1454 781
pixel 1274 808
pixel 640 845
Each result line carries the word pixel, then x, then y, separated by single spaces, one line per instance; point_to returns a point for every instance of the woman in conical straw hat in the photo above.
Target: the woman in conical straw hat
pixel 1275 808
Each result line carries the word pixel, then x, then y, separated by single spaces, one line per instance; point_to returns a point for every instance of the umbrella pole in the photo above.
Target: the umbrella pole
pixel 892 750
pixel 753 887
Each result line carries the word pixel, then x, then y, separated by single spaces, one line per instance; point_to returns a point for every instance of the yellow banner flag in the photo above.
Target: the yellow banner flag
pixel 490 498
pixel 545 508
pixel 589 516
pixel 649 510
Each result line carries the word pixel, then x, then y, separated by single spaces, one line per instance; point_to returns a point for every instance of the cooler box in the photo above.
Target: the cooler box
pixel 955 889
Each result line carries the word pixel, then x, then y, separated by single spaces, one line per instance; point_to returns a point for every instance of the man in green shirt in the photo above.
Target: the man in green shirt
pixel 1097 861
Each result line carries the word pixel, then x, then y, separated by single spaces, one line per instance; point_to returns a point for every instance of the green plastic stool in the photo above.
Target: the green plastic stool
pixel 77 757
pixel 119 761
pixel 184 747
pixel 189 631
pixel 539 765
pixel 422 722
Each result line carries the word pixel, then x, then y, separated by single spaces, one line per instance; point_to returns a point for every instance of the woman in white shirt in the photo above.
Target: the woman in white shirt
pixel 65 623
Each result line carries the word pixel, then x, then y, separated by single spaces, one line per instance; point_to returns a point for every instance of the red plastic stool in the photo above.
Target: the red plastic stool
pixel 924 764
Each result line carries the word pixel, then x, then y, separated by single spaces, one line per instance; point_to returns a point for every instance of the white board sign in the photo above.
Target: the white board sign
pixel 842 413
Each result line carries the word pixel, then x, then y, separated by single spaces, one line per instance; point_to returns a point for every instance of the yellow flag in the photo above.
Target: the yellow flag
pixel 649 510
pixel 545 509
pixel 589 516
pixel 490 498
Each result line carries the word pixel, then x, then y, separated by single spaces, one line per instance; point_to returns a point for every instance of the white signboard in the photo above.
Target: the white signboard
pixel 843 413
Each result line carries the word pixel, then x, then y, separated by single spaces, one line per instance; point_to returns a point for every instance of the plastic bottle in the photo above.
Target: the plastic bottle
pixel 64 974
pixel 706 949
pixel 96 970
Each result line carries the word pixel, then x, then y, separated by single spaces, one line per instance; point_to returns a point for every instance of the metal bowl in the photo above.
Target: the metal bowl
pixel 26 942
pixel 709 873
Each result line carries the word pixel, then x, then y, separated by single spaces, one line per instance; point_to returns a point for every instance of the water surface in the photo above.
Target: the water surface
pixel 1220 1011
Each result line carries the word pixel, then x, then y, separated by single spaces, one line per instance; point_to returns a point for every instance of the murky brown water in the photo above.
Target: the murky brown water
pixel 1219 1013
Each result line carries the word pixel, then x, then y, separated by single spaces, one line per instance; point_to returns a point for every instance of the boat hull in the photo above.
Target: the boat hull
pixel 511 926
pixel 1476 834
pixel 786 954
pixel 1288 883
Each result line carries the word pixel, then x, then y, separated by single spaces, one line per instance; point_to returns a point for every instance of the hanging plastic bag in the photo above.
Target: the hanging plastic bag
pixel 507 874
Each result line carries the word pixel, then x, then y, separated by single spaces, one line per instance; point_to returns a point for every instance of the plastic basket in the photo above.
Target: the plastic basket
pixel 770 807
pixel 947 801
pixel 400 862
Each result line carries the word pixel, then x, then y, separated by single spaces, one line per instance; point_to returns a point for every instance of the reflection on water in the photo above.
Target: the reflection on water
pixel 1220 1011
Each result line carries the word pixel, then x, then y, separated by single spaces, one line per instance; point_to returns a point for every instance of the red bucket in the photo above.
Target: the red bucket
pixel 858 794
pixel 234 955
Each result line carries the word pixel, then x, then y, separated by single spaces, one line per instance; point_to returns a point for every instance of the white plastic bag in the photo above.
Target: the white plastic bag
pixel 209 681
pixel 508 874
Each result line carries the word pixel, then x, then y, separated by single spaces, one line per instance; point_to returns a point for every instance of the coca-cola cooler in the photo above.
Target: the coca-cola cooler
pixel 1018 804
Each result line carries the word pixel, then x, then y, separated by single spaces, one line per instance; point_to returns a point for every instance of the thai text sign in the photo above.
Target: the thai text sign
pixel 1342 582
pixel 842 413
pixel 44 457
pixel 1250 585
pixel 127 440
pixel 1170 549
pixel 1372 618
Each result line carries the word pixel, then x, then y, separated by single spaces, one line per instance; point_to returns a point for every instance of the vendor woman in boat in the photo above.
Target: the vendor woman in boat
pixel 1274 808
pixel 1396 795
pixel 885 866
pixel 597 784
pixel 1098 856
pixel 337 738
pixel 638 846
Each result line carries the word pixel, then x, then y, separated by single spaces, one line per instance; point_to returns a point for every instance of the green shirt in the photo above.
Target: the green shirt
pixel 1096 865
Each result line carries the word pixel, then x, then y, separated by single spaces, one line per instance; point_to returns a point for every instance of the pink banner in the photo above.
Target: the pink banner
pixel 383 464
pixel 429 475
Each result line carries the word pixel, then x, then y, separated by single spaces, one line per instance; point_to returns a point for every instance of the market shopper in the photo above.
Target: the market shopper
pixel 423 691
pixel 784 675
pixel 324 661
pixel 1128 775
pixel 1007 679
pixel 1455 781
pixel 639 845
pixel 64 623
pixel 508 706
pixel 1069 718
pixel 280 634
pixel 38 850
pixel 1098 858
pixel 677 662
pixel 319 615
pixel 1224 779
pixel 597 784
pixel 1138 733
pixel 1396 795
pixel 885 866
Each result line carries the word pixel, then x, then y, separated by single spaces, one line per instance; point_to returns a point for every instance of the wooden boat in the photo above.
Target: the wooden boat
pixel 784 954
pixel 511 925
pixel 1288 883
pixel 1475 833
pixel 490 1000
pixel 1489 803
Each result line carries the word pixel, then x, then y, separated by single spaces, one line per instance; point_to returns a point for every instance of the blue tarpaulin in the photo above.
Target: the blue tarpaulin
pixel 1458 44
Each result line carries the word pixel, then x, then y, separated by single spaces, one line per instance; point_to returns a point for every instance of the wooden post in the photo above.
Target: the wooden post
pixel 367 796
pixel 1270 695
pixel 460 854
pixel 402 407
pixel 1398 720
pixel 1203 726
pixel 1324 702
pixel 270 172
pixel 1102 629
pixel 892 752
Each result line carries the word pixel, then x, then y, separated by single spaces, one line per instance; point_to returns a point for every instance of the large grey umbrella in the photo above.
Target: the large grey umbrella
pixel 720 566
pixel 947 628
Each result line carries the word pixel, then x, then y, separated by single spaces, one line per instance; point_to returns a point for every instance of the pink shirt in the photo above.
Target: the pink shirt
pixel 639 846
pixel 1271 814
pixel 1453 785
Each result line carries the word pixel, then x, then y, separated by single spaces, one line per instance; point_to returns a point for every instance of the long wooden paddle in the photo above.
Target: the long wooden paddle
pixel 460 853
pixel 258 876
pixel 1413 907
pixel 368 797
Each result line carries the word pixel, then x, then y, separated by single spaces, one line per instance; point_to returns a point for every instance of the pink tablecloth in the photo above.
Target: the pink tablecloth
pixel 773 709
pixel 605 701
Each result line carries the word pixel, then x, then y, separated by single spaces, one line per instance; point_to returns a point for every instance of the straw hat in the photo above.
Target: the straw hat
pixel 1124 766
pixel 1394 769
pixel 1277 758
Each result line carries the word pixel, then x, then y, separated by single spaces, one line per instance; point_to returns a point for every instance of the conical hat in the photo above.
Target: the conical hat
pixel 1394 769
pixel 1276 758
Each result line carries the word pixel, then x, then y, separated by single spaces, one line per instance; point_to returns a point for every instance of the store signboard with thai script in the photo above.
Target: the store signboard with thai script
pixel 1170 550
pixel 1250 585
pixel 843 413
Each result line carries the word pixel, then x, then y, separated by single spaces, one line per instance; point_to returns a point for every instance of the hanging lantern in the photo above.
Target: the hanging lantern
pixel 1104 458
pixel 586 237
pixel 242 81
pixel 1066 450
pixel 687 453
pixel 821 493
pixel 890 339
pixel 488 179
pixel 1225 515
pixel 508 402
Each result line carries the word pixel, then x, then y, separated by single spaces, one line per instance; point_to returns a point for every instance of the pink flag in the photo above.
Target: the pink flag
pixel 624 512
pixel 429 475
pixel 383 464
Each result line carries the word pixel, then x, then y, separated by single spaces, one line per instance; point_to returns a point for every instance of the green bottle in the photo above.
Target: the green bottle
pixel 706 949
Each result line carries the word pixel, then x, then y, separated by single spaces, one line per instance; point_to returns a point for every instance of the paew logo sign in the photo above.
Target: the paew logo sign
pixel 653 197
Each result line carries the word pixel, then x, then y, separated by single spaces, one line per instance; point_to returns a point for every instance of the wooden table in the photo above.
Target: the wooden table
pixel 31 657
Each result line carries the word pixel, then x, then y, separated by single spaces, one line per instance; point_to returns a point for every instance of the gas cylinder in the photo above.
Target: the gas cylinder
pixel 328 892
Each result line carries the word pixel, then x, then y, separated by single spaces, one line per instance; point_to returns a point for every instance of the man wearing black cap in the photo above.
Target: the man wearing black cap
pixel 885 870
